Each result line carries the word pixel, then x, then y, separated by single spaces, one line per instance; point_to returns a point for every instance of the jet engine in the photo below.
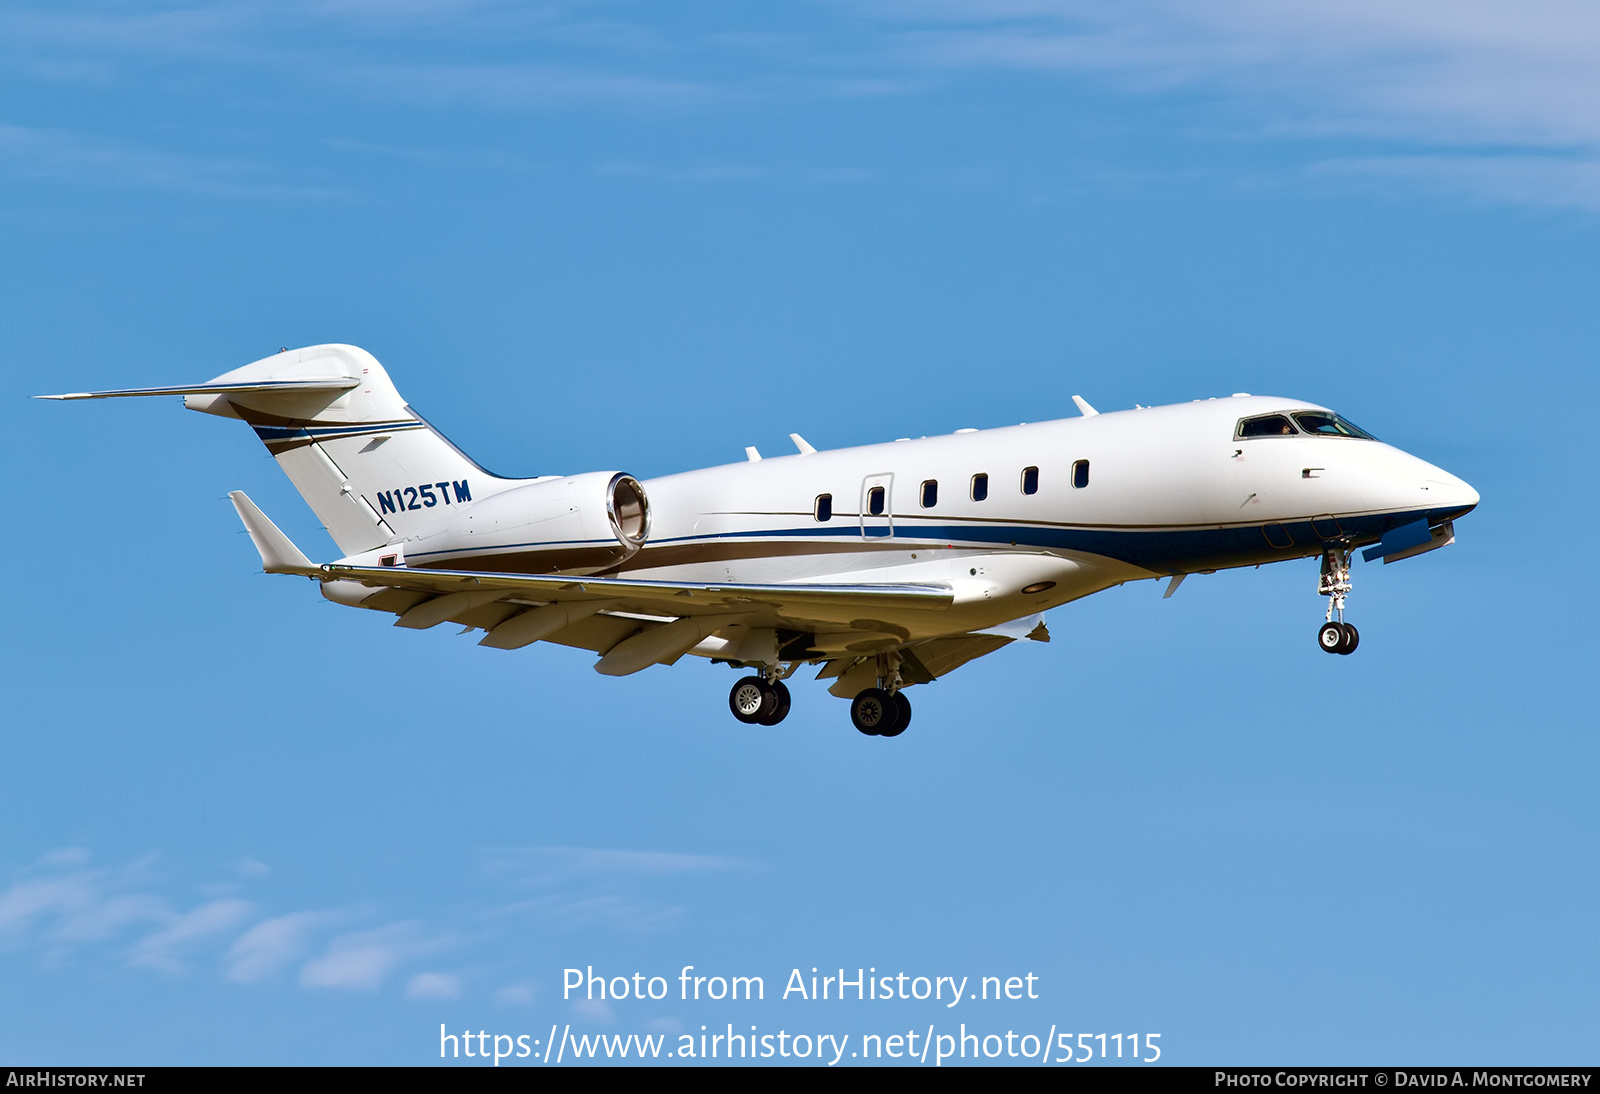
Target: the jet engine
pixel 573 524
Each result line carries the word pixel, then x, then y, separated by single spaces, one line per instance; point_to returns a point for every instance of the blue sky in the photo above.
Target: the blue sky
pixel 244 825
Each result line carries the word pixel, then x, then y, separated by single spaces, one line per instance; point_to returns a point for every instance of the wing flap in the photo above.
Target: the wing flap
pixel 674 598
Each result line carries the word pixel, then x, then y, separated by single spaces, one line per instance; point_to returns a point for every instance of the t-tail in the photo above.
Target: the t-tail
pixel 370 467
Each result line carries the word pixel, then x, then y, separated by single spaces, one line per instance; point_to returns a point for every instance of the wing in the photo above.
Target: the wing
pixel 634 623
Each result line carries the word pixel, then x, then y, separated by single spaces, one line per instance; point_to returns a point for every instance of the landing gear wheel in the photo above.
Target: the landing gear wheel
pixel 780 710
pixel 1352 638
pixel 1331 637
pixel 753 699
pixel 902 711
pixel 874 711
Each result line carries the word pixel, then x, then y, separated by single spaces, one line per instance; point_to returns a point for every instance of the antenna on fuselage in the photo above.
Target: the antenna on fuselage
pixel 1087 410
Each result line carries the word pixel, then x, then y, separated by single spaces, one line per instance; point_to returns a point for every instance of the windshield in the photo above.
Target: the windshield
pixel 1322 424
pixel 1271 425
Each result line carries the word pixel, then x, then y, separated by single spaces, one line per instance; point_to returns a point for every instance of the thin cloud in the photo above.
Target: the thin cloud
pixel 62 905
pixel 557 863
pixel 362 960
pixel 163 950
pixel 64 902
pixel 433 985
pixel 71 157
pixel 1561 183
pixel 273 944
pixel 418 52
pixel 575 888
pixel 1426 69
pixel 521 87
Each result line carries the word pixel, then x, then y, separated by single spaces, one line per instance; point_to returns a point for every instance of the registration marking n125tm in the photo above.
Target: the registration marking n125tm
pixel 406 498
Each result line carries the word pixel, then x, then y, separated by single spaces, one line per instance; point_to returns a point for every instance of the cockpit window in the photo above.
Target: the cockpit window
pixel 1271 425
pixel 1319 424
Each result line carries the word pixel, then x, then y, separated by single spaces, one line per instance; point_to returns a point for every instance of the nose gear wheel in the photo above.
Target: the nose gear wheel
pixel 1335 635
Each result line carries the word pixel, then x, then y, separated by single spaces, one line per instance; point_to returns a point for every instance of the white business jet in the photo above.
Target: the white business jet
pixel 888 565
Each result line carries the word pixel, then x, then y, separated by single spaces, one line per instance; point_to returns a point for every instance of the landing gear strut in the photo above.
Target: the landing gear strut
pixel 755 701
pixel 1335 635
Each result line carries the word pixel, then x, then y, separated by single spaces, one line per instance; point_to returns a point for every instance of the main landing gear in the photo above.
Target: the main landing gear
pixel 883 711
pixel 756 701
pixel 1335 635
pixel 878 712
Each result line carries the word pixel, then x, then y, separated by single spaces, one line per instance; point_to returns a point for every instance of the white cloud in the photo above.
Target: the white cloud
pixel 62 905
pixel 65 903
pixel 515 995
pixel 433 985
pixel 362 960
pixel 272 945
pixel 161 950
pixel 592 1010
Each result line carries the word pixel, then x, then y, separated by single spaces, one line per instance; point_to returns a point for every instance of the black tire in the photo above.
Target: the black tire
pixel 902 716
pixel 752 699
pixel 781 710
pixel 873 710
pixel 1352 638
pixel 1330 636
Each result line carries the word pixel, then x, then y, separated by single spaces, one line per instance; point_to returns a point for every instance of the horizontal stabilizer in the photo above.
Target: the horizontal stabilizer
pixel 278 554
pixel 327 383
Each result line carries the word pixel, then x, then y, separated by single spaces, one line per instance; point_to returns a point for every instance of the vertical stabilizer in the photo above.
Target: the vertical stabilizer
pixel 369 466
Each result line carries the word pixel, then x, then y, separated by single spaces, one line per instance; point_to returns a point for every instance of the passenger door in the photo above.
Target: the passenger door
pixel 877 505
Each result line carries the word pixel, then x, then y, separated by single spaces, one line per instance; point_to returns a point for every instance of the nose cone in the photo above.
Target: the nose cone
pixel 1444 491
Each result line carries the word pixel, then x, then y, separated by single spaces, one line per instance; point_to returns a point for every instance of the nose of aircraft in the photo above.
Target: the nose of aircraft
pixel 1404 481
pixel 1445 491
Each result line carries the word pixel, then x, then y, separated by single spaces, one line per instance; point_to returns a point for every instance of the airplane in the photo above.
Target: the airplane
pixel 886 565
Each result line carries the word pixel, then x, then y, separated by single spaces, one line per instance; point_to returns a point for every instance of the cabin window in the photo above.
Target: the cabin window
pixel 930 493
pixel 1030 480
pixel 824 507
pixel 1271 425
pixel 875 500
pixel 980 486
pixel 1080 474
pixel 1330 425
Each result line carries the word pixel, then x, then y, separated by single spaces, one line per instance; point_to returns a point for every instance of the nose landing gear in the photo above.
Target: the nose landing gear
pixel 1335 635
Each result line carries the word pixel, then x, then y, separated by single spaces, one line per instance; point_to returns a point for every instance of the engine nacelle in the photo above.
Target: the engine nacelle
pixel 573 524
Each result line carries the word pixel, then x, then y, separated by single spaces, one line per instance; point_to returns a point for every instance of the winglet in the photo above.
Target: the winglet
pixel 278 554
pixel 802 444
pixel 1087 410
